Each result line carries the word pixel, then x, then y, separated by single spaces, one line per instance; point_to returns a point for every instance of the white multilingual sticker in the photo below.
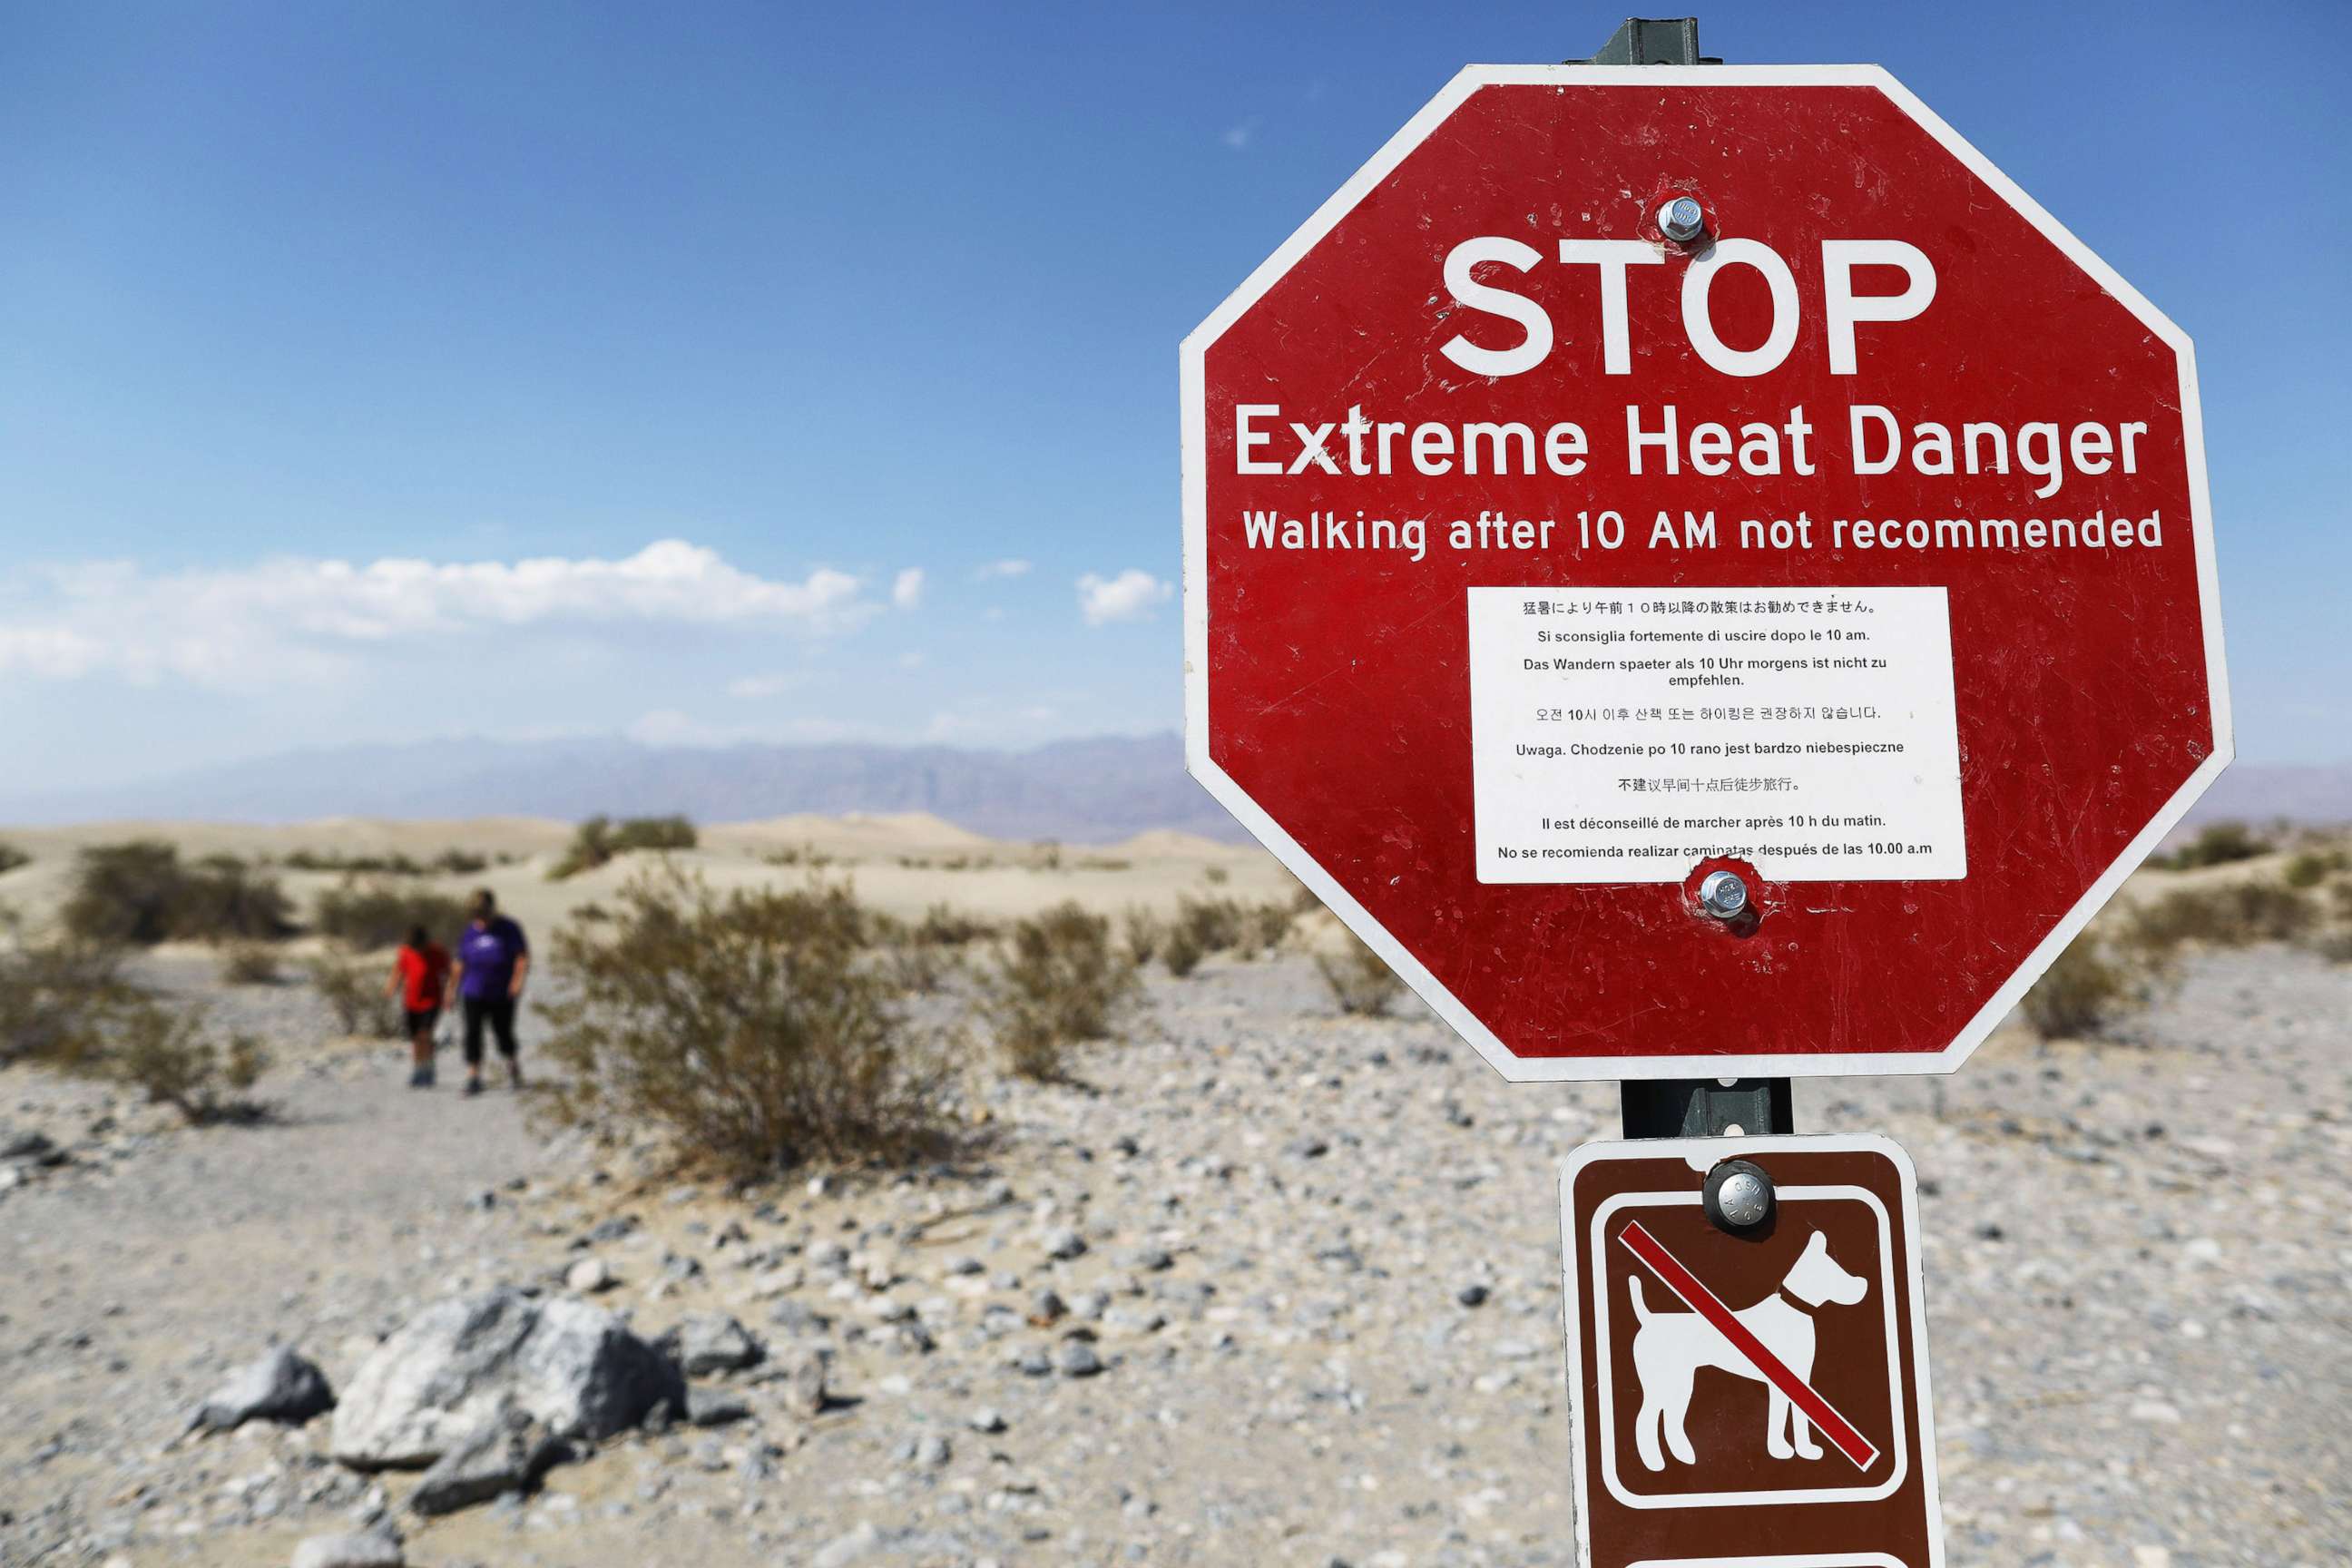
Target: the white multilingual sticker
pixel 1625 734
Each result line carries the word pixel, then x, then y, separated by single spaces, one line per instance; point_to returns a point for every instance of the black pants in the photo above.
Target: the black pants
pixel 498 1012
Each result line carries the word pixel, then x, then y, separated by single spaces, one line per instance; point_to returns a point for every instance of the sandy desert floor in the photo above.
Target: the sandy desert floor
pixel 2137 1258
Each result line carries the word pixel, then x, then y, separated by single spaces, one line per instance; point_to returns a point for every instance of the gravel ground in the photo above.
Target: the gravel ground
pixel 1261 1354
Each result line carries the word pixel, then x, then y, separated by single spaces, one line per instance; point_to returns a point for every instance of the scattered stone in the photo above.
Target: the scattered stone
pixel 1064 1244
pixel 460 1363
pixel 509 1454
pixel 799 1375
pixel 708 1342
pixel 1473 1295
pixel 589 1276
pixel 987 1418
pixel 367 1548
pixel 715 1407
pixel 857 1546
pixel 281 1386
pixel 1078 1359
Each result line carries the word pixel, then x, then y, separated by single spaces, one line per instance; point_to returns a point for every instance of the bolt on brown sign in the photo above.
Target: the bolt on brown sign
pixel 1757 1396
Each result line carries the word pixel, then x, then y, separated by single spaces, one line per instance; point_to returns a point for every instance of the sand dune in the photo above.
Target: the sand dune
pixel 901 862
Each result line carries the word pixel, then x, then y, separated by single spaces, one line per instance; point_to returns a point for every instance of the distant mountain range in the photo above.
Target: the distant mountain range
pixel 1085 791
pixel 2314 796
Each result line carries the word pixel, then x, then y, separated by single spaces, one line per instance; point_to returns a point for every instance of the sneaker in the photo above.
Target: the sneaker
pixel 473 1087
pixel 514 1077
pixel 424 1078
pixel 416 1078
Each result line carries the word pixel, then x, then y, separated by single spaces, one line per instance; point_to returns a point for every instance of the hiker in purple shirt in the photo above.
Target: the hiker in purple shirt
pixel 492 960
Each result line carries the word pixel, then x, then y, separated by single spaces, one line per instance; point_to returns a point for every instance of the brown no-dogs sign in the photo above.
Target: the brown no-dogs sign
pixel 1751 1398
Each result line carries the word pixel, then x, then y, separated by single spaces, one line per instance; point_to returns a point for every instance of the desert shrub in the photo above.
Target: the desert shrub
pixel 1059 979
pixel 448 863
pixel 1360 980
pixel 141 892
pixel 945 927
pixel 1215 924
pixel 1266 926
pixel 600 840
pixel 393 865
pixel 919 956
pixel 2220 844
pixel 364 915
pixel 2307 869
pixel 2340 895
pixel 352 989
pixel 1144 933
pixel 750 1029
pixel 11 857
pixel 57 997
pixel 249 964
pixel 2085 991
pixel 1046 855
pixel 171 1058
pixel 1182 950
pixel 2238 915
pixel 1217 876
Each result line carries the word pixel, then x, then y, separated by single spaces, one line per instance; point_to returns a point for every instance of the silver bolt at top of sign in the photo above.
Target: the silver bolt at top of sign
pixel 1723 895
pixel 1682 220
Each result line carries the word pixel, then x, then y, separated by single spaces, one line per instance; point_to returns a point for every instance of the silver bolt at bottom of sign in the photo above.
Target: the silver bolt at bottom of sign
pixel 1723 895
pixel 1682 220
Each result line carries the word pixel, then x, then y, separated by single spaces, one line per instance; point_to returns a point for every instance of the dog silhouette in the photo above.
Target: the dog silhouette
pixel 1669 1347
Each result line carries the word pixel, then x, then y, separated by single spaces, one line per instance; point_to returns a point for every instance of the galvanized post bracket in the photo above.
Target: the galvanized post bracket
pixel 1653 41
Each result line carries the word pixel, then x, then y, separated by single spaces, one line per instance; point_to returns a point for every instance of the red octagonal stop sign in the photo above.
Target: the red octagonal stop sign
pixel 1639 473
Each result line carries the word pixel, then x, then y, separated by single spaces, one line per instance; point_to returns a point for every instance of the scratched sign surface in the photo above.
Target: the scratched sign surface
pixel 1540 560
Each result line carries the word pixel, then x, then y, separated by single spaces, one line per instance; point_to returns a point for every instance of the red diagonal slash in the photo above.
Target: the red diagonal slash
pixel 1706 1304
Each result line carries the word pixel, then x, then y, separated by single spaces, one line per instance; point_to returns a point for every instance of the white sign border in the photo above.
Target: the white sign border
pixel 1230 795
pixel 1701 1154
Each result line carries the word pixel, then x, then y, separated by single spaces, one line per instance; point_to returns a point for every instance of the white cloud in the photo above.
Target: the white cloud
pixel 1011 566
pixel 906 591
pixel 1237 137
pixel 911 659
pixel 774 684
pixel 1129 597
pixel 297 618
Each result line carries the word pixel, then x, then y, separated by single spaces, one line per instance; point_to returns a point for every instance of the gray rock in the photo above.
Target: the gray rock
pixel 369 1549
pixel 987 1418
pixel 1078 1359
pixel 799 1376
pixel 33 1146
pixel 1064 1244
pixel 716 1407
pixel 857 1546
pixel 710 1341
pixel 280 1386
pixel 510 1455
pixel 462 1363
pixel 1473 1294
pixel 589 1276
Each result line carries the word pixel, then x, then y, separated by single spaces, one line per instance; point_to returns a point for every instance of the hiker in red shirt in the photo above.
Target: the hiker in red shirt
pixel 419 977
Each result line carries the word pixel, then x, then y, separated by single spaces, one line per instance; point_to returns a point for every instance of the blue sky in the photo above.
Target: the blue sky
pixel 835 296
